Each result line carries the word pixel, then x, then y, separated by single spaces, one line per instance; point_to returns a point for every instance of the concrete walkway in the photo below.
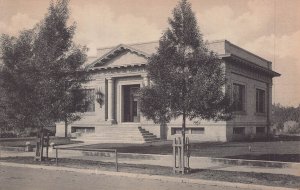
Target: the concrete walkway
pixel 165 160
pixel 64 177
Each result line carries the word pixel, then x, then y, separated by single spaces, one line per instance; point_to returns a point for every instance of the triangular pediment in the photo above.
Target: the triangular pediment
pixel 122 55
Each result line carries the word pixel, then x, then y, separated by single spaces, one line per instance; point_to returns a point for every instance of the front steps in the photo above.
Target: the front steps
pixel 111 134
pixel 147 136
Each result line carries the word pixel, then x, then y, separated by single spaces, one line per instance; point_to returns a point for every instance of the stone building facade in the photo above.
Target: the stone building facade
pixel 118 73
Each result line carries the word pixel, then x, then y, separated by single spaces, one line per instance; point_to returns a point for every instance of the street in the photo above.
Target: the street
pixel 17 178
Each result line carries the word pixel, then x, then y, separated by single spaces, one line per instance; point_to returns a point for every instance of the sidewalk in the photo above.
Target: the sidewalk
pixel 165 160
pixel 142 177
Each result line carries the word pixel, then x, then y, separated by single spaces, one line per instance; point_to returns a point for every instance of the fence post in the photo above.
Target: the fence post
pixel 182 155
pixel 116 155
pixel 174 155
pixel 42 146
pixel 56 156
pixel 37 151
pixel 47 146
pixel 188 154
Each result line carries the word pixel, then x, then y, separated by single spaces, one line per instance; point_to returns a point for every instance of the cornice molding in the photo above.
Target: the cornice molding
pixel 249 64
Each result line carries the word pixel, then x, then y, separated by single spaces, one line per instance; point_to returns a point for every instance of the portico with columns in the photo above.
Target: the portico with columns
pixel 122 100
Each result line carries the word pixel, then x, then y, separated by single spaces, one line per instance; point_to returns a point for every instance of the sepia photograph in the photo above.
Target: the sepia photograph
pixel 149 94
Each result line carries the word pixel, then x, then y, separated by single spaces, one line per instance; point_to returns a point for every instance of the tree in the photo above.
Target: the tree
pixel 42 69
pixel 188 80
pixel 282 116
pixel 3 124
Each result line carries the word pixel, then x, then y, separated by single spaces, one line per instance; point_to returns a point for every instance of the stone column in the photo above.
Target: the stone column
pixel 110 101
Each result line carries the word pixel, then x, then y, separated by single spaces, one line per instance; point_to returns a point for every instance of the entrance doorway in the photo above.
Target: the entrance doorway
pixel 131 111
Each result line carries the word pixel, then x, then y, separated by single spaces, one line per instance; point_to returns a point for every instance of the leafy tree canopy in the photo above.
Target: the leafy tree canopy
pixel 187 79
pixel 281 114
pixel 42 67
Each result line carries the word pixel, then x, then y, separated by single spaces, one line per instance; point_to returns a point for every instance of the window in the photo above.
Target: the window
pixel 84 100
pixel 197 130
pixel 260 130
pixel 238 97
pixel 82 129
pixel 239 130
pixel 260 101
pixel 89 100
pixel 176 131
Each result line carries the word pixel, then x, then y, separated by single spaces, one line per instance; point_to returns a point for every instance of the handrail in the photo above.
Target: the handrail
pixel 87 149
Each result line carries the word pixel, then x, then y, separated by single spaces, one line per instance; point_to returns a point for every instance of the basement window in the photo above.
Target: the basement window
pixel 83 130
pixel 199 130
pixel 260 130
pixel 239 130
pixel 176 130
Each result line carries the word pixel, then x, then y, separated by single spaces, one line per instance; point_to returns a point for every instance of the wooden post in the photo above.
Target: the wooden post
pixel 178 152
pixel 42 145
pixel 47 146
pixel 37 151
pixel 187 154
pixel 116 155
pixel 174 155
pixel 56 157
pixel 182 156
pixel 66 127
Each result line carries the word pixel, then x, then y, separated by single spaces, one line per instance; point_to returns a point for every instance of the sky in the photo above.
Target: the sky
pixel 268 28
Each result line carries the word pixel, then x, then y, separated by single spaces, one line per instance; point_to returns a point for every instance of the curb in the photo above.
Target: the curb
pixel 150 177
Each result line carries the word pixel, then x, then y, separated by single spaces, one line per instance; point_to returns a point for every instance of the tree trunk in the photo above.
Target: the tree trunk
pixel 183 126
pixel 40 145
pixel 66 128
pixel 37 150
pixel 183 151
pixel 163 135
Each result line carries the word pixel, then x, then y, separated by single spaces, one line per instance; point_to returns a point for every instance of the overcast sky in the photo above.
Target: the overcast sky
pixel 268 28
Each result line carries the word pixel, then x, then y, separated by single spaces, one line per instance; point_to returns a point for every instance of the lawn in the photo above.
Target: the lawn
pixel 286 151
pixel 21 142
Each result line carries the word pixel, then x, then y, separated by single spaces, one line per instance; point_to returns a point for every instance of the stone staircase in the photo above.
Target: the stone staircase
pixel 111 134
pixel 148 137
